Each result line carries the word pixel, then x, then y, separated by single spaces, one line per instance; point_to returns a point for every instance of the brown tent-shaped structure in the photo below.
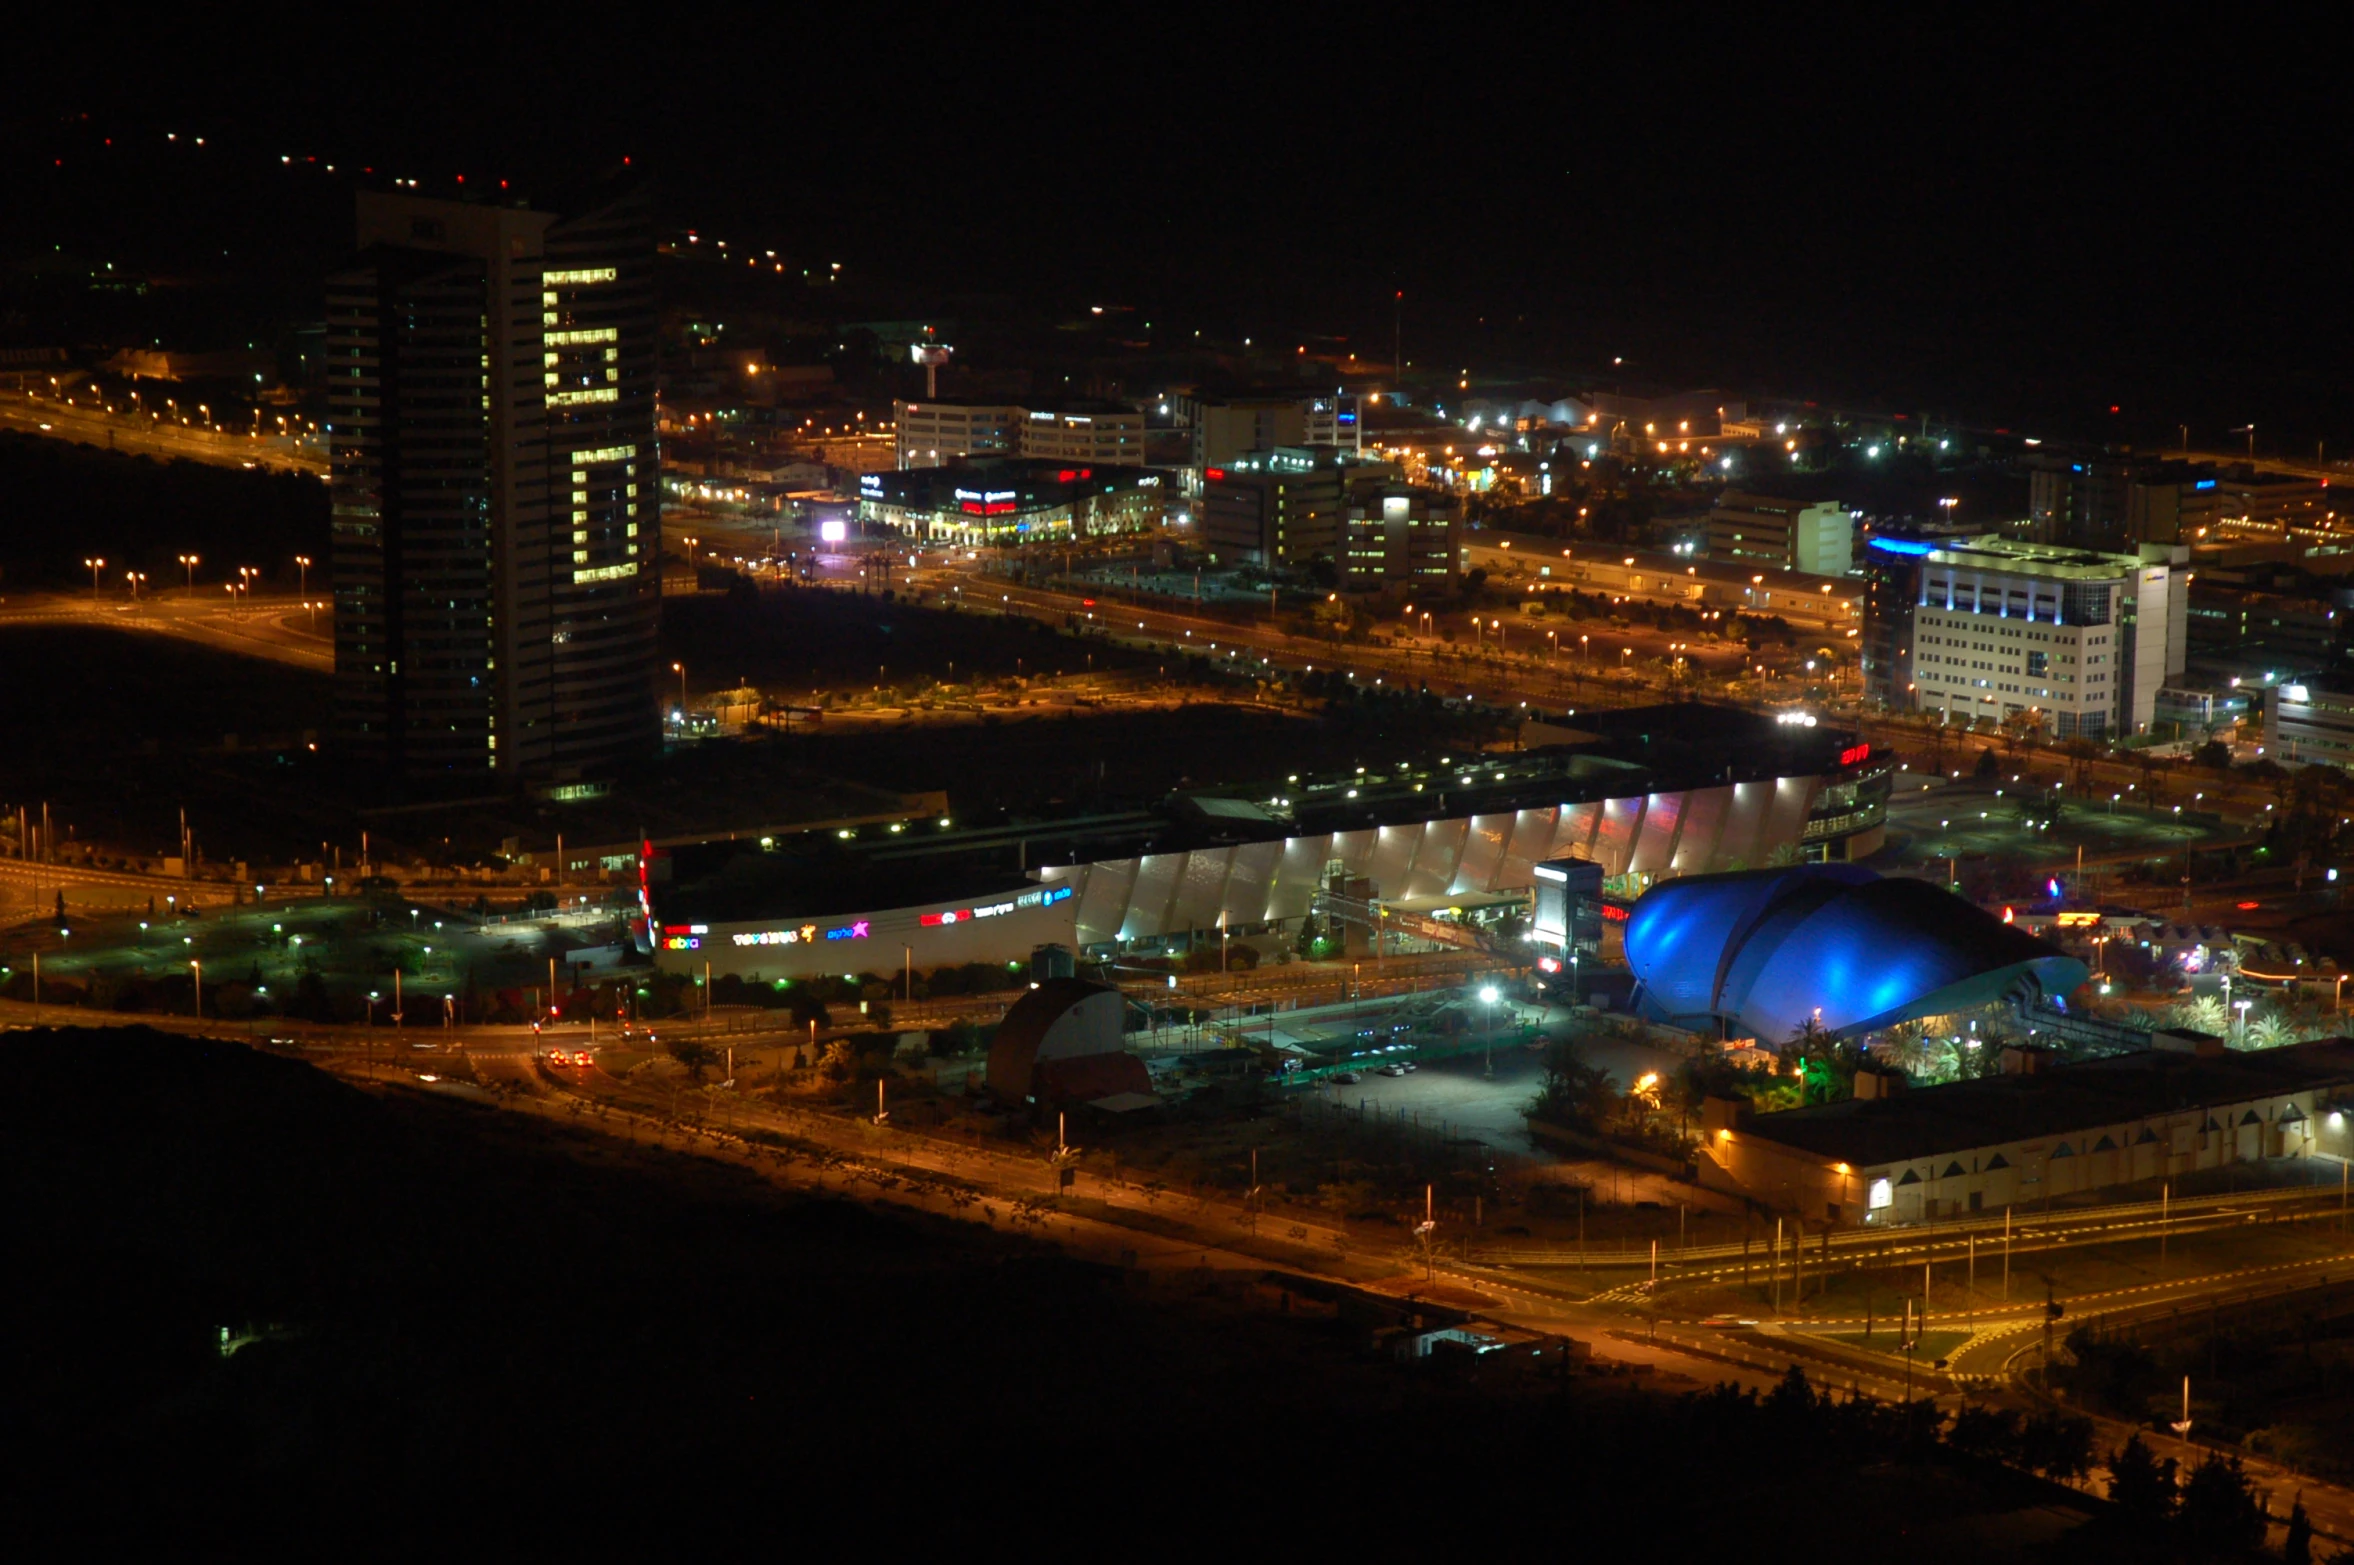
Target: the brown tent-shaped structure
pixel 1061 1043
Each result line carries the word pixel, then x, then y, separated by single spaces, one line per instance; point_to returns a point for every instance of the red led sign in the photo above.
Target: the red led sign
pixel 1855 755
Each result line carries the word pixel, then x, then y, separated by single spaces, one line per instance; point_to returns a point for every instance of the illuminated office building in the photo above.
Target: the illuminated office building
pixel 494 487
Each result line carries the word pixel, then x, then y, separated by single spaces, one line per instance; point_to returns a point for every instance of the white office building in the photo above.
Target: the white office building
pixel 938 433
pixel 2085 641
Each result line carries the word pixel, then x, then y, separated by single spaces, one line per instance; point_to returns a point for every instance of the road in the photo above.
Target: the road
pixel 156 436
pixel 281 629
pixel 1558 679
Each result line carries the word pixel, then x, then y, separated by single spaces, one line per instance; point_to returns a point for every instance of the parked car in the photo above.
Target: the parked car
pixel 1393 1069
pixel 1345 1078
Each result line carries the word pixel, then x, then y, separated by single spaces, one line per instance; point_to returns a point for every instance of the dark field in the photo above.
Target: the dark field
pixel 474 1330
pixel 118 730
pixel 64 502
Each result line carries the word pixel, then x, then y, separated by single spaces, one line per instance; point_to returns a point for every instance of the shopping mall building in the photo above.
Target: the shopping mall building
pixel 1646 794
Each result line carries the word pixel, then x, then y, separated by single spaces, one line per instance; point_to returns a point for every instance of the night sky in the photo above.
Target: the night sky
pixel 1965 211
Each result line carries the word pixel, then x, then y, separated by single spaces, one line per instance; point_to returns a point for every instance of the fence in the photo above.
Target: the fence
pixel 1434 1136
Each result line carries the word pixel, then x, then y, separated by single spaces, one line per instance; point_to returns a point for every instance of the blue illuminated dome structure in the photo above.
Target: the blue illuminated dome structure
pixel 1764 950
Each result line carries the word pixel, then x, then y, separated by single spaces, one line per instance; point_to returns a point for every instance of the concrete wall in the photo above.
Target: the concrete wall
pixel 2024 1172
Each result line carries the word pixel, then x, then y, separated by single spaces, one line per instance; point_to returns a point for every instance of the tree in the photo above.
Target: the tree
pixel 2081 754
pixel 2201 1014
pixel 2221 1510
pixel 1573 1093
pixel 1987 765
pixel 2141 1485
pixel 696 1057
pixel 2214 755
pixel 1909 1047
pixel 2021 729
pixel 1987 1432
pixel 2270 1032
pixel 2297 1547
pixel 2057 1445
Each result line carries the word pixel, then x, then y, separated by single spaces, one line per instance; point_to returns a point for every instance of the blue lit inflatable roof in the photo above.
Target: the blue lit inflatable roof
pixel 1764 949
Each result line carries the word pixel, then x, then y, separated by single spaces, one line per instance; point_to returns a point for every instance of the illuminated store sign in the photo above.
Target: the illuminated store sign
pixel 807 934
pixel 965 915
pixel 991 502
pixel 1855 755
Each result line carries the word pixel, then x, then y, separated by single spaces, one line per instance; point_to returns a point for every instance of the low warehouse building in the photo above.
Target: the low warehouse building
pixel 2032 1134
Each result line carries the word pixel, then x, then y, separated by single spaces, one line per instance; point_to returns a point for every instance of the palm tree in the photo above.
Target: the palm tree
pixel 2202 1014
pixel 1908 1047
pixel 2081 753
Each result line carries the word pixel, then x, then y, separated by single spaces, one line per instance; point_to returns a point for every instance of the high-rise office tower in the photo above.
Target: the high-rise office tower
pixel 495 494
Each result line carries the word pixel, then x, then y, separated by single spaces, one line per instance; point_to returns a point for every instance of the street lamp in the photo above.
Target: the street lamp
pixel 189 562
pixel 302 563
pixel 680 669
pixel 1487 997
pixel 94 566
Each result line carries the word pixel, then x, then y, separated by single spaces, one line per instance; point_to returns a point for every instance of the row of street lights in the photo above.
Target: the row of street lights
pixel 247 575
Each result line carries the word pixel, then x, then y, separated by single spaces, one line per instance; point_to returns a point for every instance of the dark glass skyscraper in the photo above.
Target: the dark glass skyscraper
pixel 495 494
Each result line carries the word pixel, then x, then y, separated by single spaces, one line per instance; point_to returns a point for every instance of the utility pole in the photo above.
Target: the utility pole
pixel 1908 1352
pixel 2006 1255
